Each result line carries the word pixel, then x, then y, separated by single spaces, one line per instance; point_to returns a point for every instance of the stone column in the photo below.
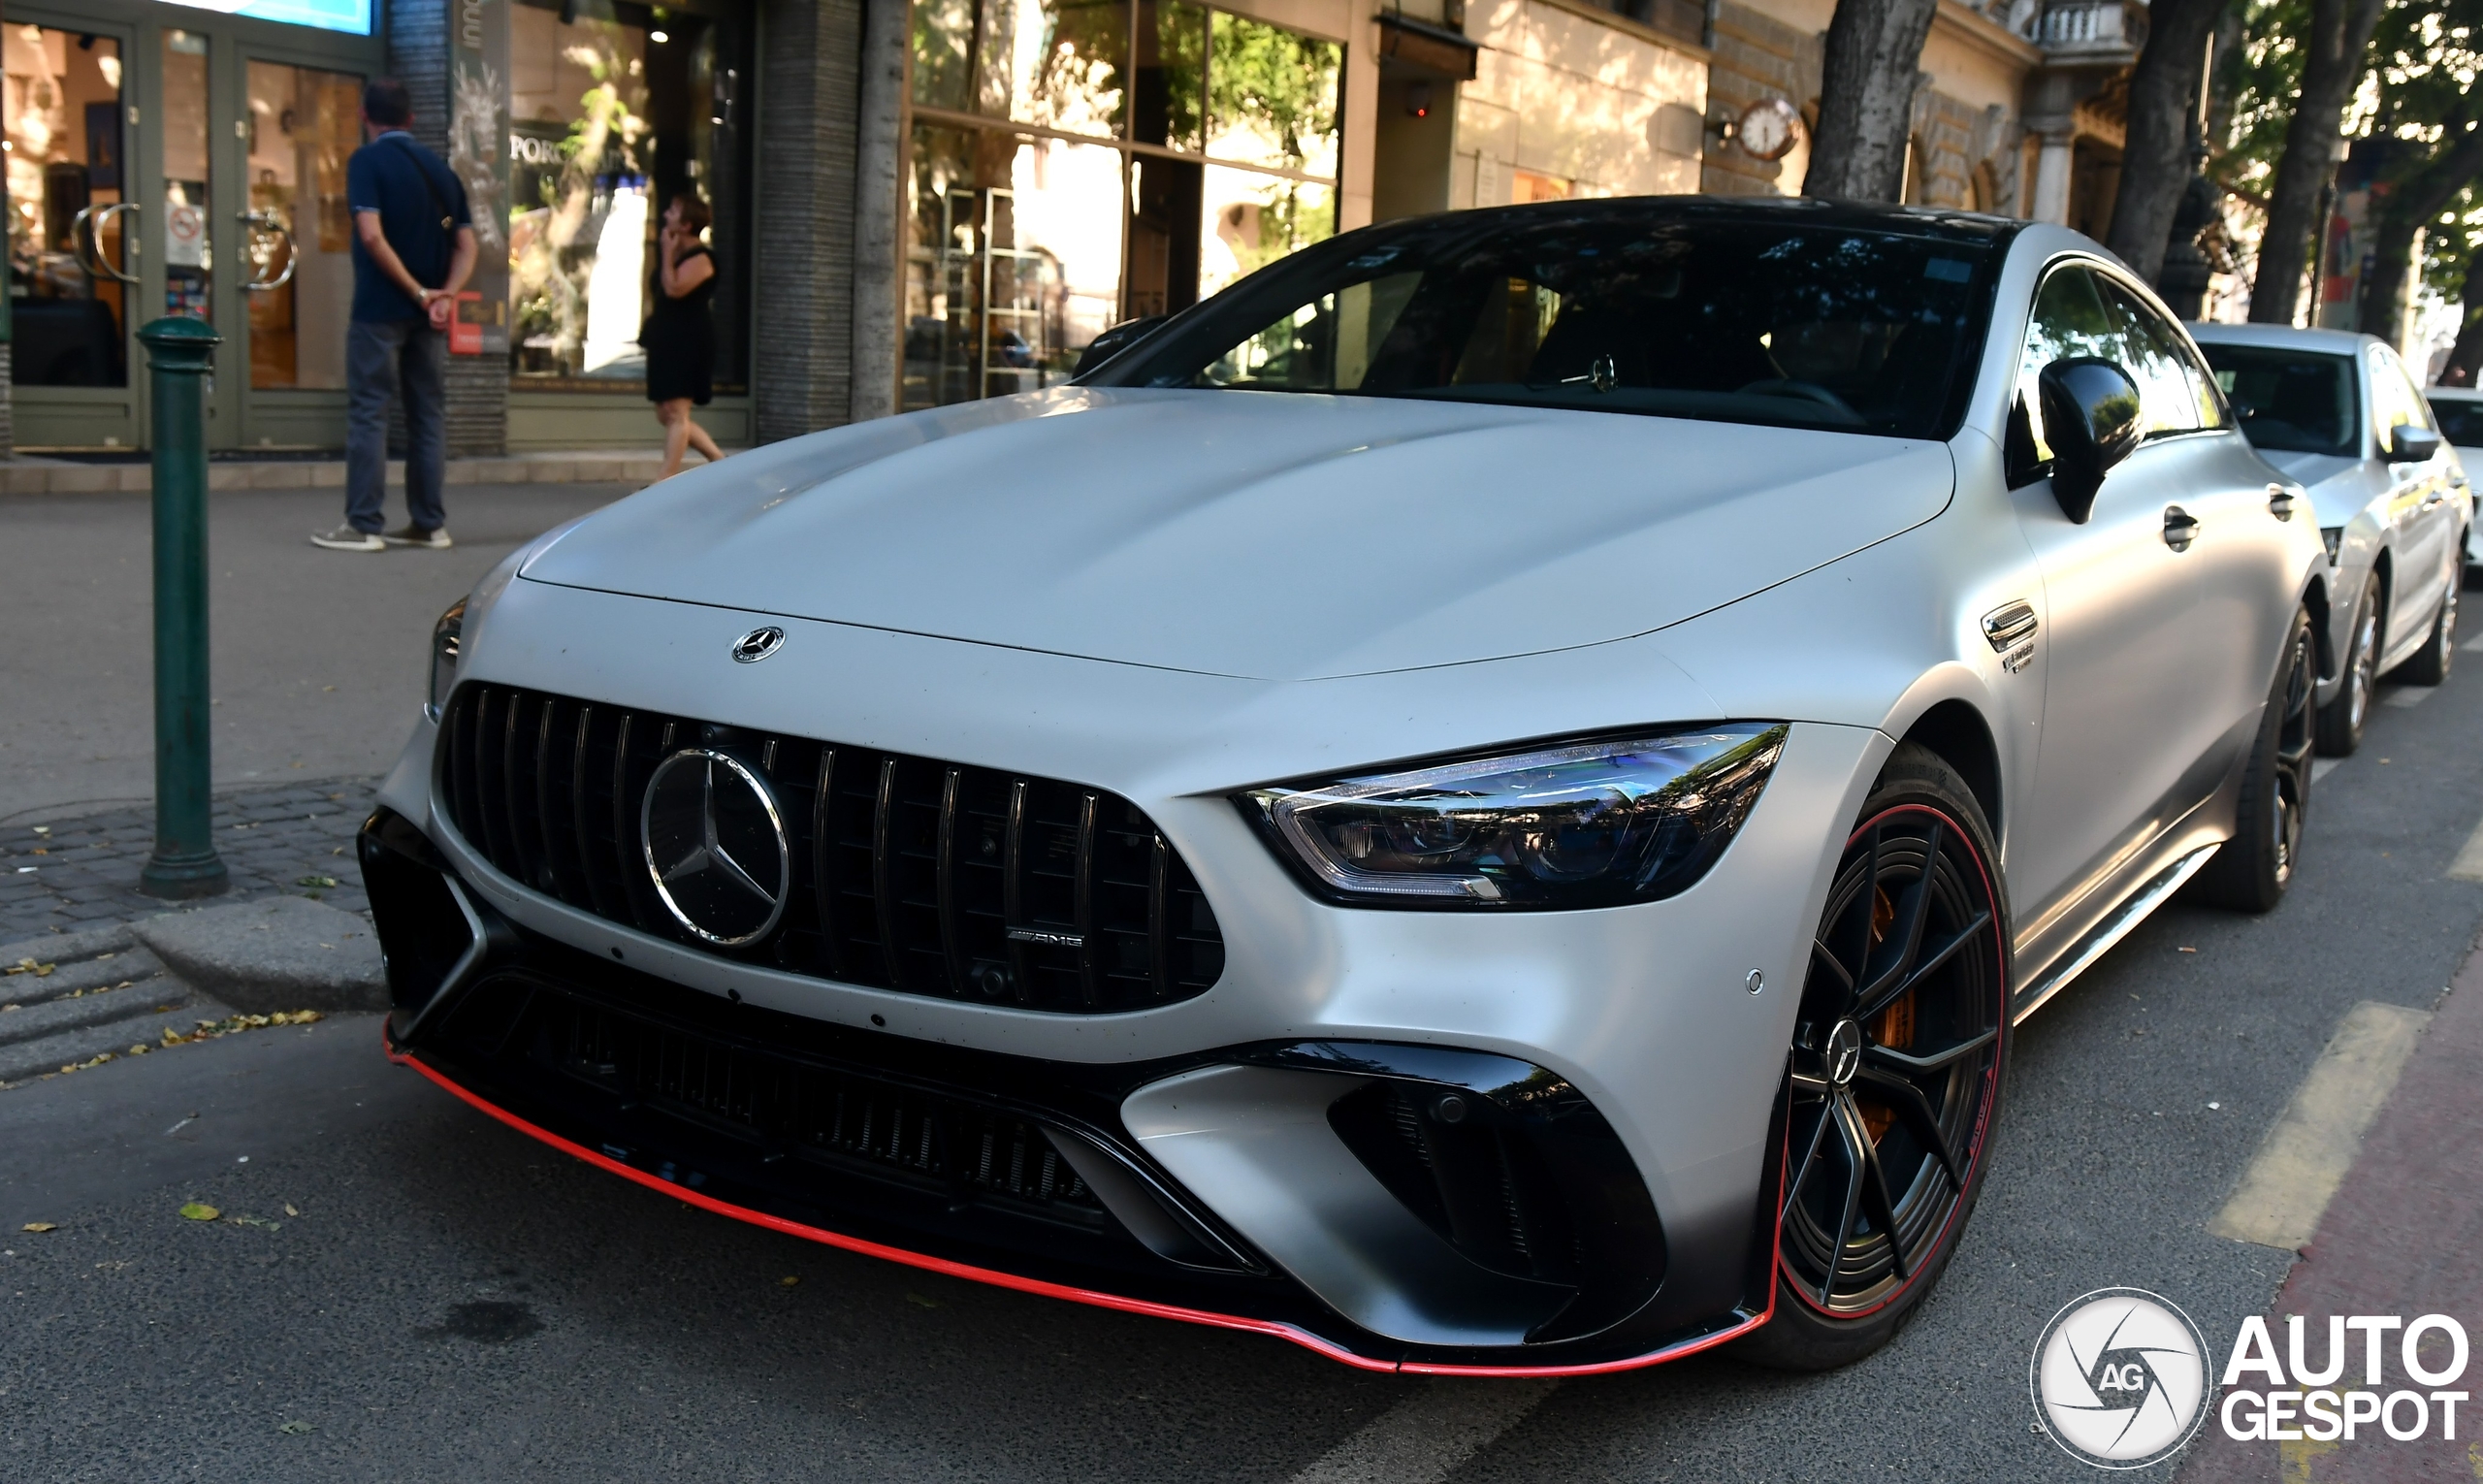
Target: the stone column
pixel 2051 175
pixel 809 86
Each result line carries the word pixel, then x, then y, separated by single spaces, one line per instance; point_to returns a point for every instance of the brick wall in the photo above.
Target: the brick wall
pixel 809 81
pixel 1757 56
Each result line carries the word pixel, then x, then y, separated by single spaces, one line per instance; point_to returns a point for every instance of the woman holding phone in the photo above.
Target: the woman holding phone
pixel 679 336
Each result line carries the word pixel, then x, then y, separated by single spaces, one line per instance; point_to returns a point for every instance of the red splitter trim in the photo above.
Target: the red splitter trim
pixel 998 1279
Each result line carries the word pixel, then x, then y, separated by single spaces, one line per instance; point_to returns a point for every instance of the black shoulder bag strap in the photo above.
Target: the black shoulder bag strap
pixel 422 167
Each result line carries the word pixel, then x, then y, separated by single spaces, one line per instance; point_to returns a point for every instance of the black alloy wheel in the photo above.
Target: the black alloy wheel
pixel 1893 1082
pixel 2431 663
pixel 2341 721
pixel 2251 871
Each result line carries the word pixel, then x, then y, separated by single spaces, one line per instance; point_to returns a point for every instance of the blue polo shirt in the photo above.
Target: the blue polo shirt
pixel 410 188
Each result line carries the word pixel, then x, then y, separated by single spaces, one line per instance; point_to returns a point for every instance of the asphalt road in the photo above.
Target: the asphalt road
pixel 316 657
pixel 455 1301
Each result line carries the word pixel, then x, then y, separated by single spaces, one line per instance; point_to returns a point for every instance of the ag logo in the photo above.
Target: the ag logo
pixel 2119 1378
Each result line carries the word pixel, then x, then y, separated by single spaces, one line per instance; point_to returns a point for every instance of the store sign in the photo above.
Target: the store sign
pixel 352 16
pixel 478 150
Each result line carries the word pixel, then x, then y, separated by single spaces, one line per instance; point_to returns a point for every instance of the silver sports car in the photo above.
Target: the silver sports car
pixel 2339 413
pixel 1484 801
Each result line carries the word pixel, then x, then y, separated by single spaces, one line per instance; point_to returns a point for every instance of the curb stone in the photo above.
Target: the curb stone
pixel 278 953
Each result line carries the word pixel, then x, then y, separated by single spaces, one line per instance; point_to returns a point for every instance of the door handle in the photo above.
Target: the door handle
pixel 93 221
pixel 268 223
pixel 2181 527
pixel 2280 501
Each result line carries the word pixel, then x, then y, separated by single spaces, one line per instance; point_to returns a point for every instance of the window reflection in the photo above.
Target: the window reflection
pixel 62 115
pixel 1015 262
pixel 1272 97
pixel 1254 219
pixel 302 125
pixel 1138 223
pixel 611 113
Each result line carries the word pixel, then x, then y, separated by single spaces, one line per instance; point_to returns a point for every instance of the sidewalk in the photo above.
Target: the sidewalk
pixel 2402 1237
pixel 35 474
pixel 82 872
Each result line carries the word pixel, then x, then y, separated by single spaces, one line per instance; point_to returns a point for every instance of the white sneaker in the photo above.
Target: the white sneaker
pixel 349 538
pixel 414 535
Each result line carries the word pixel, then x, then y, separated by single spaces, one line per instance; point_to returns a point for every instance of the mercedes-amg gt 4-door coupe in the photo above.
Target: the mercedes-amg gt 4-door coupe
pixel 1484 801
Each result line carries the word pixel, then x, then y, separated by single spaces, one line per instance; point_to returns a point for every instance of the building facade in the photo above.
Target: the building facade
pixel 915 201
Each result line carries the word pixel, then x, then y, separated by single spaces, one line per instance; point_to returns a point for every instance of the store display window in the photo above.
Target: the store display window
pixel 615 109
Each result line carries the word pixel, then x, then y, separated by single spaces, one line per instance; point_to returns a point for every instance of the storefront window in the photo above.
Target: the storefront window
pixel 1215 141
pixel 615 109
pixel 63 113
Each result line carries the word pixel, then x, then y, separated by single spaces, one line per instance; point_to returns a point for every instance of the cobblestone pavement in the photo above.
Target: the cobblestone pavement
pixel 82 872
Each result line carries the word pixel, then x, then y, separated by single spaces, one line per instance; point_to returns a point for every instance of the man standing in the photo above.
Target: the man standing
pixel 413 249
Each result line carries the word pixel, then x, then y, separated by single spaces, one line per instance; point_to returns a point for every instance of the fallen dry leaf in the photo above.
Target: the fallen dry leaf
pixel 199 1211
pixel 41 1226
pixel 783 1282
pixel 289 1210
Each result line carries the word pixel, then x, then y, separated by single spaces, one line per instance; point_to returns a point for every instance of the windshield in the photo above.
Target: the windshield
pixel 2290 401
pixel 1792 324
pixel 2460 421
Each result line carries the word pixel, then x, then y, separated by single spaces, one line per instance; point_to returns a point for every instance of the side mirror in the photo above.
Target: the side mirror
pixel 1113 341
pixel 2409 444
pixel 2090 418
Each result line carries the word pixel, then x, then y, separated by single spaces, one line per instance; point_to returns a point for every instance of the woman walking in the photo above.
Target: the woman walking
pixel 679 336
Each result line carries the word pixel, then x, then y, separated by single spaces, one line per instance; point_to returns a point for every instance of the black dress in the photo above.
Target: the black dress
pixel 680 338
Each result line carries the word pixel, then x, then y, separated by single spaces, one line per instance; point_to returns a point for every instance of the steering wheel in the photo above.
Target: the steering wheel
pixel 1802 391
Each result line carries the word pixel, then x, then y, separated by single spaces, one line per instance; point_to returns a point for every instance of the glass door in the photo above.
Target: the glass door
pixel 73 224
pixel 299 126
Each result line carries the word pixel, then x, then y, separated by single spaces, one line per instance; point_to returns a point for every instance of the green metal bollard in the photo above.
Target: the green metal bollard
pixel 180 354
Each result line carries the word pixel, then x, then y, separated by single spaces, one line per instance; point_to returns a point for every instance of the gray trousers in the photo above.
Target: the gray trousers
pixel 405 359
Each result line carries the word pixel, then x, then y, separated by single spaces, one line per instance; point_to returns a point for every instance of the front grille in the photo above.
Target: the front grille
pixel 826 1116
pixel 908 874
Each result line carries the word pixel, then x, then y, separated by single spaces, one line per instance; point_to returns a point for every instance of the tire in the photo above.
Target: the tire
pixel 2431 663
pixel 2251 871
pixel 2341 721
pixel 1885 1139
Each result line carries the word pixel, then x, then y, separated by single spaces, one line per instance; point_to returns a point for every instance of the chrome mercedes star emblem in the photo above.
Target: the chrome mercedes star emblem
pixel 1843 1053
pixel 758 645
pixel 715 844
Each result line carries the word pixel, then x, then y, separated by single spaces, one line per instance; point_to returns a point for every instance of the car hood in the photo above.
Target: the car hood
pixel 1256 534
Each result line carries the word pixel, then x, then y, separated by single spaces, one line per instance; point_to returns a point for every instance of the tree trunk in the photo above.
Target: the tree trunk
pixel 1866 99
pixel 2332 62
pixel 2164 105
pixel 2415 201
pixel 2466 357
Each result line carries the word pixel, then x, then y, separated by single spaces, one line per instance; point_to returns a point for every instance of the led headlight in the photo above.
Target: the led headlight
pixel 446 636
pixel 1582 825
